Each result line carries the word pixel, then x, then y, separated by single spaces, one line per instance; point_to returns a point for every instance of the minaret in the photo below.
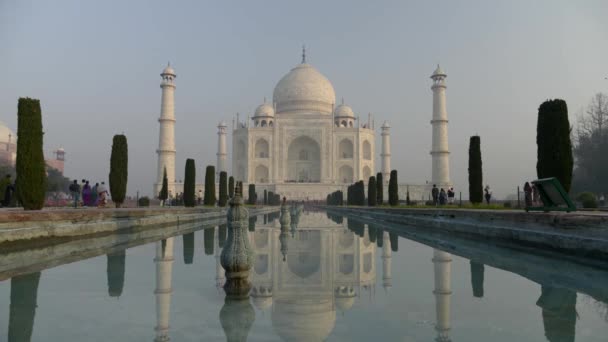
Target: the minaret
pixel 443 292
pixel 387 256
pixel 386 152
pixel 221 149
pixel 164 266
pixel 440 152
pixel 166 138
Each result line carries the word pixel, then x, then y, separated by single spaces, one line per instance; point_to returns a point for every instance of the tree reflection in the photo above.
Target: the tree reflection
pixel 477 270
pixel 208 237
pixel 188 250
pixel 24 294
pixel 116 273
pixel 559 313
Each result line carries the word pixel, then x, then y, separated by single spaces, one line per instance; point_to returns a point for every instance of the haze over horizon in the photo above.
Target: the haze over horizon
pixel 95 68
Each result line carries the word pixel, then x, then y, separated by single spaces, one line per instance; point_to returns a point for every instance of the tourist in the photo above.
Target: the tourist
pixel 435 194
pixel 442 197
pixel 75 191
pixel 451 195
pixel 9 189
pixel 94 195
pixel 535 195
pixel 86 194
pixel 4 185
pixel 528 194
pixel 488 194
pixel 102 193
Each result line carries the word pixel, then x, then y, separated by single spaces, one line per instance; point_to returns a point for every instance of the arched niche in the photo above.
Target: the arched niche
pixel 346 174
pixel 345 149
pixel 262 148
pixel 303 161
pixel 367 150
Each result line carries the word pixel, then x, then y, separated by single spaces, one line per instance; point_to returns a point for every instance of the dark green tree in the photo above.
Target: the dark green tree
pixel 379 189
pixel 554 154
pixel 189 184
pixel 252 195
pixel 265 197
pixel 209 186
pixel 223 189
pixel 231 187
pixel 164 190
pixel 475 171
pixel 393 189
pixel 30 165
pixel 372 192
pixel 119 169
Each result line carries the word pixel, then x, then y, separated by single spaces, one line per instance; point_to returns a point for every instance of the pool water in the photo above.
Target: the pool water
pixel 326 278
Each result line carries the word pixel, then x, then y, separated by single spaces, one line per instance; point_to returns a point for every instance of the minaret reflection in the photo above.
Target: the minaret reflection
pixel 443 292
pixel 285 221
pixel 387 256
pixel 24 301
pixel 559 313
pixel 220 274
pixel 164 266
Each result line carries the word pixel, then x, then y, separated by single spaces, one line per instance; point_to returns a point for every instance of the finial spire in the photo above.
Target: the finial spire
pixel 342 100
pixel 303 54
pixel 168 63
pixel 264 99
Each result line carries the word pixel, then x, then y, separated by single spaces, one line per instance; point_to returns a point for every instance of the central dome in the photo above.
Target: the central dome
pixel 304 90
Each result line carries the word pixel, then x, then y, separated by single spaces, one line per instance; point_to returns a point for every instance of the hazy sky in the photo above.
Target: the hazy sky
pixel 95 67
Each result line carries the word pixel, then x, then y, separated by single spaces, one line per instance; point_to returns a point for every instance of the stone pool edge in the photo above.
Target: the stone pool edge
pixel 18 226
pixel 580 234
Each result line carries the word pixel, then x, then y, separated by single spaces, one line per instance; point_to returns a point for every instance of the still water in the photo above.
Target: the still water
pixel 325 278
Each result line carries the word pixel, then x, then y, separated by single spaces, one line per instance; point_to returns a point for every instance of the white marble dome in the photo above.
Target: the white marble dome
pixel 168 70
pixel 263 110
pixel 5 132
pixel 344 111
pixel 304 90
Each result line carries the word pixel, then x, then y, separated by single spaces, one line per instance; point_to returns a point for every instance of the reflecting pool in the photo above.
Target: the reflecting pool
pixel 322 277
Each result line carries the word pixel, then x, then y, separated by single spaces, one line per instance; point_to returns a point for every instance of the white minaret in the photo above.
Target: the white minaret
pixel 443 292
pixel 164 266
pixel 166 138
pixel 221 149
pixel 386 152
pixel 387 257
pixel 440 152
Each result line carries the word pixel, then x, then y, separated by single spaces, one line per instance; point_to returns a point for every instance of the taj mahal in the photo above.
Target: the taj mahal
pixel 302 144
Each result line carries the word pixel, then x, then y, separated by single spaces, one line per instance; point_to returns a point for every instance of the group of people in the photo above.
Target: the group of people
pixel 92 196
pixel 442 197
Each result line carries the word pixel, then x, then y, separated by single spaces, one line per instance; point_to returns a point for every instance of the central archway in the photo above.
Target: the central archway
pixel 303 161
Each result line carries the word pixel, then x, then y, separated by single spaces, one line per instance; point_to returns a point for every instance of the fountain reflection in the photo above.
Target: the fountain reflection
pixel 306 268
pixel 164 266
pixel 24 301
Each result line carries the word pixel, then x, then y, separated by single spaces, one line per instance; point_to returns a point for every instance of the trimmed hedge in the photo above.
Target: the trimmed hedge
pixel 379 188
pixel 393 189
pixel 164 190
pixel 475 171
pixel 119 169
pixel 209 186
pixel 189 184
pixel 371 192
pixel 223 189
pixel 554 153
pixel 231 187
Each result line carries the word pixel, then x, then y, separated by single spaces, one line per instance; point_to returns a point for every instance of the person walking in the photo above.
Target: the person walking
pixel 442 197
pixel 451 195
pixel 102 193
pixel 75 191
pixel 535 195
pixel 94 195
pixel 488 194
pixel 435 194
pixel 9 189
pixel 528 194
pixel 86 194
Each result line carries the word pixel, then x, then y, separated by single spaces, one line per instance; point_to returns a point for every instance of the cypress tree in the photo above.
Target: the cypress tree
pixel 209 186
pixel 265 196
pixel 379 189
pixel 475 171
pixel 208 237
pixel 361 193
pixel 164 190
pixel 393 189
pixel 554 153
pixel 252 195
pixel 119 169
pixel 30 165
pixel 231 187
pixel 223 189
pixel 371 192
pixel 189 184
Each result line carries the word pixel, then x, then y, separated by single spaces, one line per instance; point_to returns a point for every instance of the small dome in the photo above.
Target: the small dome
pixel 344 110
pixel 264 109
pixel 5 132
pixel 61 149
pixel 168 70
pixel 222 124
pixel 304 90
pixel 345 297
pixel 386 125
pixel 438 72
pixel 262 303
